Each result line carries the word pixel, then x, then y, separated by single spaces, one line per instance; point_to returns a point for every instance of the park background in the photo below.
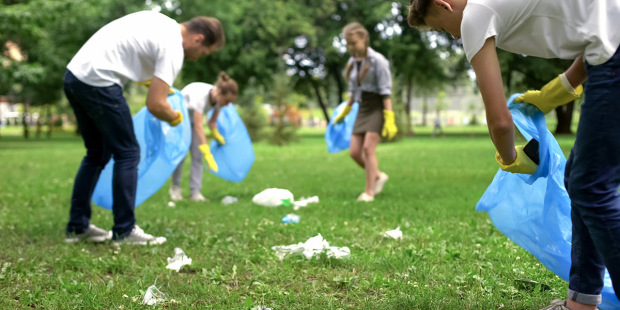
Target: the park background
pixel 288 58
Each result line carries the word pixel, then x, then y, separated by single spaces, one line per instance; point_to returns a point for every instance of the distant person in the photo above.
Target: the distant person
pixel 200 98
pixel 583 30
pixel 138 47
pixel 370 84
pixel 437 125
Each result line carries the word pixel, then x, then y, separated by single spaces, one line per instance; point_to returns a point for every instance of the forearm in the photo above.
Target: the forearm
pixel 387 103
pixel 576 73
pixel 198 130
pixel 161 109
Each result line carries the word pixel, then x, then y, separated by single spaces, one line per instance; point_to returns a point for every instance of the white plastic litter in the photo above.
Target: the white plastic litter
pixel 290 219
pixel 178 260
pixel 394 234
pixel 171 204
pixel 153 296
pixel 313 247
pixel 303 202
pixel 228 200
pixel 273 197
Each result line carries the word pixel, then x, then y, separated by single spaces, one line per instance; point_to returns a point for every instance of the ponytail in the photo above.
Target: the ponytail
pixel 226 85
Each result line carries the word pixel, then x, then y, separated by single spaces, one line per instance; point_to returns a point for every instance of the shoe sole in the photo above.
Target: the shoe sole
pixel 94 239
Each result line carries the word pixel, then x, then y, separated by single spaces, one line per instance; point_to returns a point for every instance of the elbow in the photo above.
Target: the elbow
pixel 501 128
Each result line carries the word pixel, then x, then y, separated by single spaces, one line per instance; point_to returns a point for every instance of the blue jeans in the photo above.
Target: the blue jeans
pixel 592 180
pixel 104 120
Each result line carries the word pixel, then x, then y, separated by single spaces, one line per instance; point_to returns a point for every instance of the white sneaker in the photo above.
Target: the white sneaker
pixel 365 197
pixel 139 237
pixel 175 193
pixel 91 234
pixel 198 197
pixel 383 178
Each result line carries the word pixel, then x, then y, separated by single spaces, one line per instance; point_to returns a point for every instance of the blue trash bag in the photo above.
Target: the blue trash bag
pixel 338 136
pixel 162 148
pixel 534 211
pixel 235 158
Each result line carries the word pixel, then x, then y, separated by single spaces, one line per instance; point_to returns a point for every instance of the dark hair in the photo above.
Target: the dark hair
pixel 210 28
pixel 418 9
pixel 357 29
pixel 226 85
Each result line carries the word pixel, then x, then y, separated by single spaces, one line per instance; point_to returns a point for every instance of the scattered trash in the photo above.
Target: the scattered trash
pixel 530 285
pixel 153 296
pixel 260 308
pixel 313 247
pixel 171 204
pixel 303 202
pixel 273 197
pixel 290 218
pixel 178 260
pixel 228 200
pixel 394 234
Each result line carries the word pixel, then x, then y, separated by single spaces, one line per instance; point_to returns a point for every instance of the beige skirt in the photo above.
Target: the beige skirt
pixel 370 114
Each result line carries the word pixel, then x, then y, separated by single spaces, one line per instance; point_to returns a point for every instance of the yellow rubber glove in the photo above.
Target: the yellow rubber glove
pixel 340 117
pixel 217 136
pixel 552 95
pixel 522 164
pixel 389 127
pixel 177 120
pixel 148 84
pixel 204 148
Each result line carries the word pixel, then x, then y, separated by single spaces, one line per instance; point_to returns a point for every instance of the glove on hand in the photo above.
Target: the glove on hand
pixel 204 148
pixel 217 136
pixel 342 114
pixel 552 95
pixel 177 120
pixel 522 164
pixel 389 127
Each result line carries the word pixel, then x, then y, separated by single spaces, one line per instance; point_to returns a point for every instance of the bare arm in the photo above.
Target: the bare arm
pixel 212 121
pixel 156 101
pixel 499 119
pixel 387 103
pixel 198 127
pixel 576 73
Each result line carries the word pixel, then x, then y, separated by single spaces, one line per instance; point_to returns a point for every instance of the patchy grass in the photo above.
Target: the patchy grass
pixel 451 257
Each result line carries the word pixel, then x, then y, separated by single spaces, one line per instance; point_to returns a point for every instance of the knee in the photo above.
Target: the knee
pixel 97 157
pixel 369 150
pixel 130 155
pixel 355 153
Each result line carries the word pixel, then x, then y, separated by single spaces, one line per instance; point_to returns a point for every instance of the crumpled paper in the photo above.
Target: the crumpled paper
pixel 394 234
pixel 313 247
pixel 178 260
pixel 303 202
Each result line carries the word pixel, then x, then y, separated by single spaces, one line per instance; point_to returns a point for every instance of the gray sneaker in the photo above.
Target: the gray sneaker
pixel 175 193
pixel 137 236
pixel 91 234
pixel 198 197
pixel 556 304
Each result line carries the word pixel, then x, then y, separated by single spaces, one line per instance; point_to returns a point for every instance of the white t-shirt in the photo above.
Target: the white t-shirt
pixel 544 28
pixel 197 96
pixel 135 47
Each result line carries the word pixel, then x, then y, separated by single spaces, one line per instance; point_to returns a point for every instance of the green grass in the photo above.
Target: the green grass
pixel 451 257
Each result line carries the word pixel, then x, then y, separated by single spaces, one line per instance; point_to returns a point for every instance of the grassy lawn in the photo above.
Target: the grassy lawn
pixel 451 257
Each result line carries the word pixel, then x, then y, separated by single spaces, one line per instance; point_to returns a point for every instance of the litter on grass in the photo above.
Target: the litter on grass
pixel 290 219
pixel 178 260
pixel 303 202
pixel 228 200
pixel 394 234
pixel 171 204
pixel 313 247
pixel 274 197
pixel 153 296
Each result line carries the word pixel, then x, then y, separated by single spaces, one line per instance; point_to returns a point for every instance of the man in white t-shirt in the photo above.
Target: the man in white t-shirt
pixel 138 47
pixel 200 98
pixel 586 31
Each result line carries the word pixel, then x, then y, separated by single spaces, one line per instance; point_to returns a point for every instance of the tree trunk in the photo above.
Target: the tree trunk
pixel 320 99
pixel 25 121
pixel 48 118
pixel 424 109
pixel 565 118
pixel 410 132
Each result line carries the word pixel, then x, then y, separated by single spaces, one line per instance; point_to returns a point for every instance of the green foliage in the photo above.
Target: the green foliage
pixel 282 130
pixel 451 257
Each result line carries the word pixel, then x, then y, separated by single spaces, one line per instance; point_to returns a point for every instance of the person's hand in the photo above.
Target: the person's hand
pixel 340 117
pixel 217 136
pixel 204 148
pixel 177 120
pixel 389 127
pixel 552 95
pixel 522 164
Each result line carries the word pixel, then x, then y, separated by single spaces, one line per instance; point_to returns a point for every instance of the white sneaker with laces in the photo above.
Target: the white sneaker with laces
pixel 138 237
pixel 175 193
pixel 91 234
pixel 198 197
pixel 365 197
pixel 383 178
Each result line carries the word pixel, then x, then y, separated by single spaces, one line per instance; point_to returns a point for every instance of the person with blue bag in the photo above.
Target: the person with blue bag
pixel 370 83
pixel 583 30
pixel 138 47
pixel 200 98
